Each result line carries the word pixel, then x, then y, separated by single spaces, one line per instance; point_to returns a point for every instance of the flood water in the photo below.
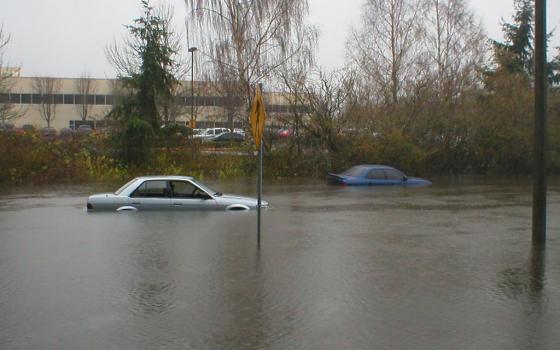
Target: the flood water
pixel 448 266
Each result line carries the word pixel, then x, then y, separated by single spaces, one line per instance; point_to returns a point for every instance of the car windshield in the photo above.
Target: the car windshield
pixel 354 171
pixel 119 191
pixel 206 188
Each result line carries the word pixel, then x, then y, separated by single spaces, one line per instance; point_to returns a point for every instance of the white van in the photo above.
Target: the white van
pixel 210 133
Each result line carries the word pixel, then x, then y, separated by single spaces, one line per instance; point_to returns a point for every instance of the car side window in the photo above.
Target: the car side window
pixel 375 174
pixel 183 189
pixel 152 189
pixel 393 174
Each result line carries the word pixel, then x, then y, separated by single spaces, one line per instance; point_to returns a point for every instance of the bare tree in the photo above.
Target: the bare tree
pixel 246 41
pixel 85 87
pixel 455 47
pixel 295 79
pixel 173 109
pixel 4 40
pixel 327 97
pixel 231 98
pixel 386 47
pixel 8 110
pixel 48 88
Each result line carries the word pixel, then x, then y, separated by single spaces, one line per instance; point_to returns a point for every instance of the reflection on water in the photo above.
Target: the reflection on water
pixel 152 288
pixel 526 285
pixel 537 270
pixel 447 266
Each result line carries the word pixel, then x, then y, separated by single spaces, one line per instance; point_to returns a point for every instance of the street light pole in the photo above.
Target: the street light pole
pixel 192 50
pixel 540 147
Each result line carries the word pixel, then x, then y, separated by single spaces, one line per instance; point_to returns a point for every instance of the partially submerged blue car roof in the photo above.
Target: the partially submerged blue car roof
pixel 376 166
pixel 353 171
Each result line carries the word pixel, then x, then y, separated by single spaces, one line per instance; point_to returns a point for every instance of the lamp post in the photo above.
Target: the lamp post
pixel 192 50
pixel 540 141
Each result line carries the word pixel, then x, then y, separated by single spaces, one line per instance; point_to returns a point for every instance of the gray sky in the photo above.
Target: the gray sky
pixel 68 37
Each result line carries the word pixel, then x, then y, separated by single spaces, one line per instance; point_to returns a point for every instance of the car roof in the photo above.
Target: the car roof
pixel 375 166
pixel 164 177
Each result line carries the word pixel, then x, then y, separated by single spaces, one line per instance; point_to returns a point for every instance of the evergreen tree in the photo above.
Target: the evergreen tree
pixel 554 70
pixel 147 63
pixel 515 55
pixel 154 82
pixel 147 69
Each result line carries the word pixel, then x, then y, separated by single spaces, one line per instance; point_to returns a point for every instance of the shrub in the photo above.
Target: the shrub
pixel 132 142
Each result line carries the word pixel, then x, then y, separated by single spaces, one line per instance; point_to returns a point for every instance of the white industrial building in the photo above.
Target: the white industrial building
pixel 69 98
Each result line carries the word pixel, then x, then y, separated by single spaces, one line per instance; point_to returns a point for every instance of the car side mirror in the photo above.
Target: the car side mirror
pixel 404 178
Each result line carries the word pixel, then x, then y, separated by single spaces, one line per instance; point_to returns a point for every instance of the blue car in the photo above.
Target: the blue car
pixel 374 175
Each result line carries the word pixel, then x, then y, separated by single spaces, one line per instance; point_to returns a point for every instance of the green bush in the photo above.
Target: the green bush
pixel 132 142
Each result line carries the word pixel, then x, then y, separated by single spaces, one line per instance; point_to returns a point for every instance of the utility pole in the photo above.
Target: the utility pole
pixel 540 152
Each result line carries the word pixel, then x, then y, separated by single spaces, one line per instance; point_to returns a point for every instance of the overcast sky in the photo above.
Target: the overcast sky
pixel 68 37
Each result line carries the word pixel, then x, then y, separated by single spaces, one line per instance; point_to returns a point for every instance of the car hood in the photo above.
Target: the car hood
pixel 418 181
pixel 234 199
pixel 103 195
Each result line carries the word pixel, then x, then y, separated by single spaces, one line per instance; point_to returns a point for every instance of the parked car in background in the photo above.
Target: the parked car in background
pixel 28 127
pixel 239 131
pixel 5 126
pixel 285 133
pixel 9 128
pixel 209 133
pixel 48 133
pixel 66 133
pixel 375 175
pixel 228 137
pixel 168 193
pixel 84 129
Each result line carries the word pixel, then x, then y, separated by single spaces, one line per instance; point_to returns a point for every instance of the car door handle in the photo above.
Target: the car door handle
pixel 177 204
pixel 136 203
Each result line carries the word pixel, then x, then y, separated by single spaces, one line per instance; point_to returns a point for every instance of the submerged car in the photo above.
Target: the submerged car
pixel 375 175
pixel 168 193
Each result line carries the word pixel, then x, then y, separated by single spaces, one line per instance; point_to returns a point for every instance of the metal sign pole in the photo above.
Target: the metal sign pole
pixel 257 118
pixel 259 189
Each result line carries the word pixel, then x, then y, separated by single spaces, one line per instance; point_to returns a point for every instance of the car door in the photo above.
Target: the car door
pixel 394 177
pixel 151 195
pixel 187 196
pixel 376 177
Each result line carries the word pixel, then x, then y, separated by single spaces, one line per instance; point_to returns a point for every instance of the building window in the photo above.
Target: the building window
pixel 47 99
pixel 179 100
pixel 15 98
pixel 4 98
pixel 108 99
pixel 36 98
pixel 99 99
pixel 25 98
pixel 58 99
pixel 68 99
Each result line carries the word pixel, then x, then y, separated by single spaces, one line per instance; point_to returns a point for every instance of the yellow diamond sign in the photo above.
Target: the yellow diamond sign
pixel 257 118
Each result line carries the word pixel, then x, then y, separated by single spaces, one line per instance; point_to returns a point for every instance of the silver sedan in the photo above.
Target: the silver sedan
pixel 168 193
